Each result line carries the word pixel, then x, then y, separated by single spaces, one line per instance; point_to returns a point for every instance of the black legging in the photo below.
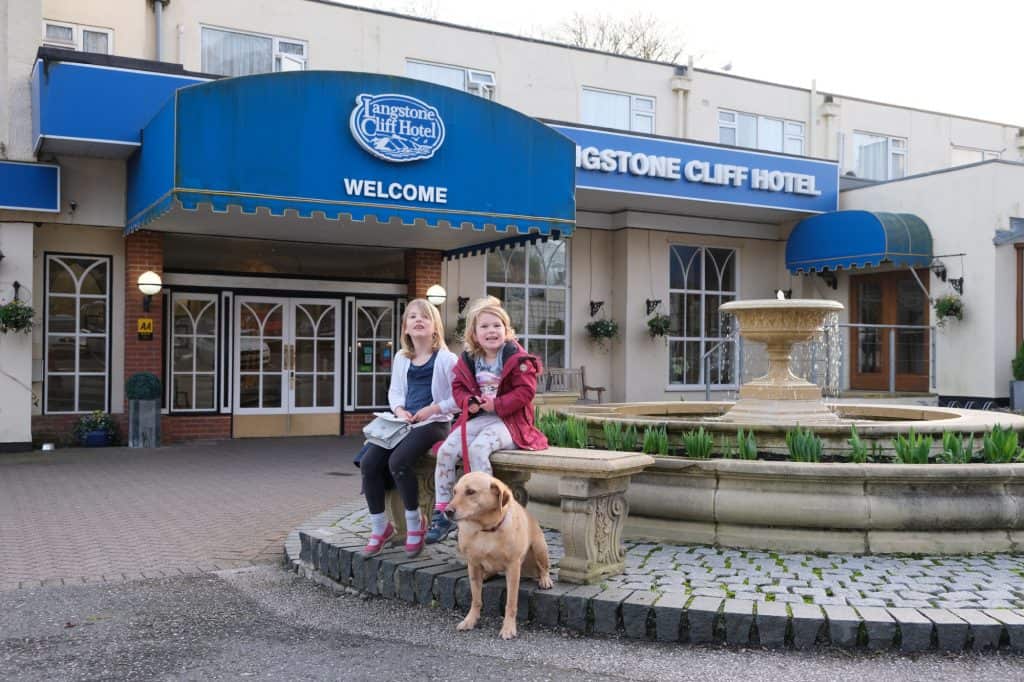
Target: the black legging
pixel 401 462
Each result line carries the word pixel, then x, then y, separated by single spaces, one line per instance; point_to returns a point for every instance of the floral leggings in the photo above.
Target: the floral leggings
pixel 484 434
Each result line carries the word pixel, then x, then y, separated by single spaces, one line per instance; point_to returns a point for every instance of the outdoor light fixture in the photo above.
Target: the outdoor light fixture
pixel 150 285
pixel 437 295
pixel 939 268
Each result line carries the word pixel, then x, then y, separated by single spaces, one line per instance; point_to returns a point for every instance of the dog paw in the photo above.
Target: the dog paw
pixel 544 582
pixel 467 624
pixel 509 631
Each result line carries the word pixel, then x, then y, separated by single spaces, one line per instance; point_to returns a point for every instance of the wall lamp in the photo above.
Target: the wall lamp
pixel 150 285
pixel 437 295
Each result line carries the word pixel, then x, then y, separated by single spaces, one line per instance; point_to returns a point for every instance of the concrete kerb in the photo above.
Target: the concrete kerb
pixel 331 557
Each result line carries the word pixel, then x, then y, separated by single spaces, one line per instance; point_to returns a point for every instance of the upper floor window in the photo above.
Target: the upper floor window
pixel 760 132
pixel 879 157
pixel 230 53
pixel 478 82
pixel 76 37
pixel 618 110
pixel 961 156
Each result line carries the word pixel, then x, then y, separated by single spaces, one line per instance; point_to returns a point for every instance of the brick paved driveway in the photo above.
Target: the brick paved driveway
pixel 115 514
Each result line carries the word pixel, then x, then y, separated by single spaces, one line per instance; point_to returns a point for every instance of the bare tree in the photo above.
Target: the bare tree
pixel 639 35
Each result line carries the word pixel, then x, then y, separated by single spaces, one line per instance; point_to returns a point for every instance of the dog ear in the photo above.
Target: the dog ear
pixel 503 494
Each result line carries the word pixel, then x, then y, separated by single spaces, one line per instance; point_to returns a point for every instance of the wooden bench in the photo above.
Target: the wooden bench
pixel 592 486
pixel 567 381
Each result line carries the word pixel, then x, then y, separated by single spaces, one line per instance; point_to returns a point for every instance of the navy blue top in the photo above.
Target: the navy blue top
pixel 418 393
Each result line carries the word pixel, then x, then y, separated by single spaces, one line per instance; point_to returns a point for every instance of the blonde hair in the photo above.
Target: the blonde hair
pixel 487 304
pixel 427 308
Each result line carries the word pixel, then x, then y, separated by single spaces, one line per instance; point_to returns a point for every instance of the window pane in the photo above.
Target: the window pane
pixel 271 390
pixel 870 156
pixel 769 134
pixel 60 355
pixel 92 354
pixel 794 145
pixel 515 305
pixel 64 34
pixel 684 362
pixel 304 390
pixel 236 54
pixel 451 76
pixel 204 392
pixel 685 268
pixel 556 354
pixel 898 167
pixel 538 312
pixel 249 390
pixel 746 130
pixel 643 123
pixel 94 41
pixel 325 356
pixel 325 391
pixel 60 393
pixel 183 391
pixel 61 280
pixel 94 279
pixel 721 270
pixel 291 48
pixel 727 117
pixel 92 393
pixel 727 135
pixel 794 129
pixel 547 263
pixel 93 315
pixel 61 315
pixel 206 353
pixel 643 104
pixel 606 109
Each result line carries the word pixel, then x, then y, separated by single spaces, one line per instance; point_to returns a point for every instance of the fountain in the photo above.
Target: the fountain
pixel 837 505
pixel 780 397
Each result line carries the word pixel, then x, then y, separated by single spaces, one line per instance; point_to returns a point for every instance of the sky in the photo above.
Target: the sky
pixel 965 60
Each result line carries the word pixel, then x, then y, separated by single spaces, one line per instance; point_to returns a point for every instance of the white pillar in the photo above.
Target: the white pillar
pixel 16 348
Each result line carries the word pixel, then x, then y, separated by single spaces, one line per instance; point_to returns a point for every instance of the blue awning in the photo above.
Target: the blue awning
pixel 858 239
pixel 286 155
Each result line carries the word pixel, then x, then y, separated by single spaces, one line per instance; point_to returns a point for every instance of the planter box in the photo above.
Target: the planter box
pixel 143 423
pixel 1017 395
pixel 96 439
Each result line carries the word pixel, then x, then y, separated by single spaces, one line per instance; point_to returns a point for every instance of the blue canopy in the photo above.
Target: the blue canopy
pixel 858 239
pixel 390 154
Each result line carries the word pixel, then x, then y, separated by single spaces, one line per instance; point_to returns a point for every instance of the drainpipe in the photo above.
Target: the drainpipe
pixel 181 43
pixel 682 81
pixel 158 14
pixel 829 111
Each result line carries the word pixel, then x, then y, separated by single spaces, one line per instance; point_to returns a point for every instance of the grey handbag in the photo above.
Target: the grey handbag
pixel 386 432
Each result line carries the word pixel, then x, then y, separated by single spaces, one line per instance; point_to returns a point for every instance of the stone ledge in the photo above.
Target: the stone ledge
pixel 330 556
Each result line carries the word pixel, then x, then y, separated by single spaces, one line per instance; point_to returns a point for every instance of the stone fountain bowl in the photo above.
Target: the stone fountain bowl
pixel 770 320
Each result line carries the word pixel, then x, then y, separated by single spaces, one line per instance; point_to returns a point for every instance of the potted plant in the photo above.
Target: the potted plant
pixel 16 316
pixel 659 325
pixel 1017 385
pixel 602 330
pixel 947 307
pixel 96 429
pixel 143 391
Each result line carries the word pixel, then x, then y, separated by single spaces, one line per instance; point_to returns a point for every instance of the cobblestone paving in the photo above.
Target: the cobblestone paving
pixel 964 582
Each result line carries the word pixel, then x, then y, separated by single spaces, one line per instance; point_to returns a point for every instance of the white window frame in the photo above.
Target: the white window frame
pixel 211 298
pixel 78 35
pixel 277 56
pixel 77 333
pixel 986 154
pixel 786 135
pixel 640 107
pixel 893 150
pixel 703 340
pixel 478 82
pixel 524 334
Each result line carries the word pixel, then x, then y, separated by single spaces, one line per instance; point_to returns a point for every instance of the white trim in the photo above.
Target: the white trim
pixel 213 298
pixel 275 52
pixel 182 279
pixel 77 42
pixel 94 140
pixel 707 201
pixel 633 111
pixel 198 79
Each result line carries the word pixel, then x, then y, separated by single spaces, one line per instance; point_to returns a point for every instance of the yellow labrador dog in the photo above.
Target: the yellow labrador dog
pixel 497 535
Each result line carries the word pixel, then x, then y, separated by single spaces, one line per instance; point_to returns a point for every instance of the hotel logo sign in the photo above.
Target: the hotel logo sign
pixel 396 128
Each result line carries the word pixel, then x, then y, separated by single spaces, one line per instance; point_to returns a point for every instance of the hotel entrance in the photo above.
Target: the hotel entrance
pixel 287 355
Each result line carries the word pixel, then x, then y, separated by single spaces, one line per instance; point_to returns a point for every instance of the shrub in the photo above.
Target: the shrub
pixel 630 439
pixel 913 448
pixel 575 433
pixel 1018 364
pixel 698 444
pixel 143 386
pixel 655 440
pixel 803 445
pixel 1001 446
pixel 95 421
pixel 955 450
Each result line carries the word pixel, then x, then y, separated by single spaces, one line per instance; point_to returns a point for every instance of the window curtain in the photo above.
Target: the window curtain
pixel 871 158
pixel 236 54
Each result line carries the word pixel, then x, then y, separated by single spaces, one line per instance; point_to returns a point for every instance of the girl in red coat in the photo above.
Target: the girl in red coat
pixel 495 382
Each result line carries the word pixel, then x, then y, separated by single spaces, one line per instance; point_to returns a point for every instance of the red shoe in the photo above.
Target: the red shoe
pixel 377 542
pixel 414 539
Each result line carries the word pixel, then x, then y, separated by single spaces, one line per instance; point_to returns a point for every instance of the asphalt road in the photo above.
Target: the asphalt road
pixel 263 622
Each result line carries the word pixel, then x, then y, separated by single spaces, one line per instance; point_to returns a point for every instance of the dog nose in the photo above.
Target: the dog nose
pixel 449 513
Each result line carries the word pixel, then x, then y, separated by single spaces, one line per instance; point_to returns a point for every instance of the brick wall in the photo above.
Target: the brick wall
pixel 59 428
pixel 177 428
pixel 354 423
pixel 422 269
pixel 143 251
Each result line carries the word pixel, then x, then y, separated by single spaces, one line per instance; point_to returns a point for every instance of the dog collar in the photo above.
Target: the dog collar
pixel 500 524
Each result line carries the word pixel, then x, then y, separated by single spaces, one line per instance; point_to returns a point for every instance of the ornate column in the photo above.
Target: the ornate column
pixel 593 514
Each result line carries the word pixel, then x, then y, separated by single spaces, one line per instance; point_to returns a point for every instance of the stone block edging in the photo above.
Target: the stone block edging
pixel 331 556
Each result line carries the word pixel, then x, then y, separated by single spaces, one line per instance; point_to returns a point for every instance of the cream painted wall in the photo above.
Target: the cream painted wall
pixel 539 79
pixel 20 33
pixel 963 209
pixel 93 241
pixel 16 348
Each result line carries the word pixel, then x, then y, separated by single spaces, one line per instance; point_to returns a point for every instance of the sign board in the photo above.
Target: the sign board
pixel 145 329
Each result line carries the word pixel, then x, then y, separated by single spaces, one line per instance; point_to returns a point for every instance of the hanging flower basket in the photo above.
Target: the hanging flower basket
pixel 659 325
pixel 947 307
pixel 602 331
pixel 16 316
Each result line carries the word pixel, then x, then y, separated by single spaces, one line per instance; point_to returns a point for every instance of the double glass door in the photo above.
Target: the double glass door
pixel 287 356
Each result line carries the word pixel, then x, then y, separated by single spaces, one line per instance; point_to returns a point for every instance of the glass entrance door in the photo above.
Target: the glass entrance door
pixel 287 358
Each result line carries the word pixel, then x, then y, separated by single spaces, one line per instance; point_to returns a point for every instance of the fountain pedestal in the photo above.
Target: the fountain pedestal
pixel 780 396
